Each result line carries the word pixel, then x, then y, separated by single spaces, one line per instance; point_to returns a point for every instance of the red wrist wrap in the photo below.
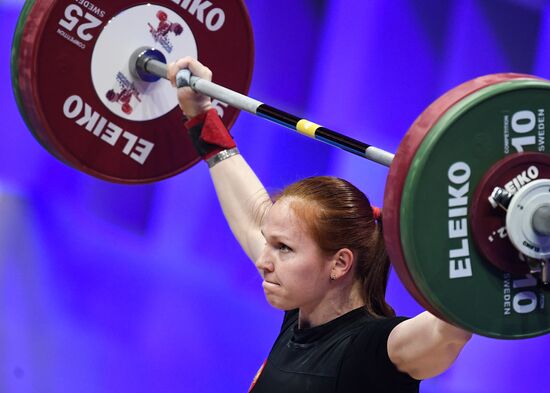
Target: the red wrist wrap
pixel 209 134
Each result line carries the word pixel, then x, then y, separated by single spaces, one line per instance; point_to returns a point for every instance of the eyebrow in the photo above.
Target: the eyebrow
pixel 279 238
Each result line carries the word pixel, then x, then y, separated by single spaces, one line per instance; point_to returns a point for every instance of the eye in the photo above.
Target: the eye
pixel 283 248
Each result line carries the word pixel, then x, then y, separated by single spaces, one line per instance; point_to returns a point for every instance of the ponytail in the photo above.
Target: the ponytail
pixel 374 275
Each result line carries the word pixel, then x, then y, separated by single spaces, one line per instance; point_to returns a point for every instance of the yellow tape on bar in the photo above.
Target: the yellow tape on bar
pixel 307 128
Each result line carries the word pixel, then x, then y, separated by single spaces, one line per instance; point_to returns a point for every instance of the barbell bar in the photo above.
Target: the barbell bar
pixel 145 61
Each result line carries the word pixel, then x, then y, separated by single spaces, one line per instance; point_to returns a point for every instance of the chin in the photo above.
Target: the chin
pixel 278 303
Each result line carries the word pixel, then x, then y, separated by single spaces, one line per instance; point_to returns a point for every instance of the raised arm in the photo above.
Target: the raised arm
pixel 242 196
pixel 425 346
pixel 244 201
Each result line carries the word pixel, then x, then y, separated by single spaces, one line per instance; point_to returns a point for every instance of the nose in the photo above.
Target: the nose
pixel 264 263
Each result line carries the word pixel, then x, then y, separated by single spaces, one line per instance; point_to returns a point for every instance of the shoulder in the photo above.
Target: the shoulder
pixel 386 324
pixel 377 330
pixel 425 345
pixel 367 362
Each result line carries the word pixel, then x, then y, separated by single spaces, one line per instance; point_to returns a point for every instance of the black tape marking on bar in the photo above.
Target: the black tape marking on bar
pixel 321 133
pixel 344 142
pixel 277 116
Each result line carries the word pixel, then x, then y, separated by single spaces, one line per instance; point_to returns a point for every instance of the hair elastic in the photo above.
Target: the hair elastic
pixel 376 213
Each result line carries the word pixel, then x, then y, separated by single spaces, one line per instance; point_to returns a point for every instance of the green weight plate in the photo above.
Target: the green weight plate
pixel 393 194
pixel 16 44
pixel 14 66
pixel 436 238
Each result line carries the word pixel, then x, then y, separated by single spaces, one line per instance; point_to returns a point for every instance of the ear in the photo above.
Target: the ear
pixel 342 262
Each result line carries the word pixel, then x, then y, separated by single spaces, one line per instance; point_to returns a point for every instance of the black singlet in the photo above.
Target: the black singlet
pixel 346 355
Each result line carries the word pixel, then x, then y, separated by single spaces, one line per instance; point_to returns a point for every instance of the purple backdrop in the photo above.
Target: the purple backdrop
pixel 107 288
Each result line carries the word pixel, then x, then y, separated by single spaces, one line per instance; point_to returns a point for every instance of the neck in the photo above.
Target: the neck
pixel 338 301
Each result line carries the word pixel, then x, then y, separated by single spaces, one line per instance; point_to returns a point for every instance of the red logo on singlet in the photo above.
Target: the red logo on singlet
pixel 257 376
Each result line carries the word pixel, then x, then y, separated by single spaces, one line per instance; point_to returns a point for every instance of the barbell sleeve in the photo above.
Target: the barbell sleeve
pixel 156 67
pixel 541 220
pixel 240 101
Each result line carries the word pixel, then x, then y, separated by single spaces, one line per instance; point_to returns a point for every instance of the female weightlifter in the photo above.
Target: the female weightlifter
pixel 320 251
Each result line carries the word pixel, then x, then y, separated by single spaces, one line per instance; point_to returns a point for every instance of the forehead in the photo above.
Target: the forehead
pixel 283 220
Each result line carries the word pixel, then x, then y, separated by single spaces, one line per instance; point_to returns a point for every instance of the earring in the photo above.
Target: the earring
pixel 332 278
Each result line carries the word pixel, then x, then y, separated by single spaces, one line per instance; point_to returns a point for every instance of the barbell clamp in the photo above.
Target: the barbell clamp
pixel 500 198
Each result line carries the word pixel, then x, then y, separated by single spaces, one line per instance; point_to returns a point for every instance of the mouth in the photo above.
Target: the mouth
pixel 267 282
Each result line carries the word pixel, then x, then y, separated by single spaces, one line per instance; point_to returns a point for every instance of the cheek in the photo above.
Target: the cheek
pixel 292 269
pixel 303 277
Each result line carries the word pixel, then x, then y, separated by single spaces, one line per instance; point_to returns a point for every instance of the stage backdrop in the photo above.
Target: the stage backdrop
pixel 113 288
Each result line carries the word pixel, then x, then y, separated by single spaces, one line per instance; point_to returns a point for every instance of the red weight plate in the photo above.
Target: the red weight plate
pixel 81 101
pixel 488 224
pixel 401 165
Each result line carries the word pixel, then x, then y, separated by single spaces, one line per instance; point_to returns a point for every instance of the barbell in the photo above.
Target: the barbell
pixel 467 199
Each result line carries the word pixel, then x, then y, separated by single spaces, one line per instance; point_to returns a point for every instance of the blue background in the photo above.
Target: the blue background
pixel 113 288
